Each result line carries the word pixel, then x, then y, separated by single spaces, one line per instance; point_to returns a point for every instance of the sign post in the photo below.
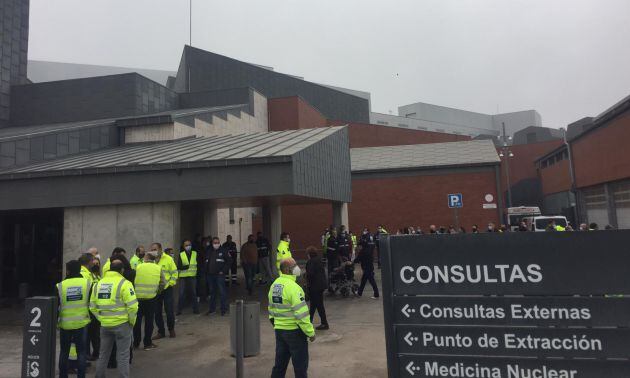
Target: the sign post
pixel 507 305
pixel 39 337
pixel 455 202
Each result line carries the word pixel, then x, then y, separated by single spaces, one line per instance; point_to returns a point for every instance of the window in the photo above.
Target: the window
pixel 382 122
pixel 403 125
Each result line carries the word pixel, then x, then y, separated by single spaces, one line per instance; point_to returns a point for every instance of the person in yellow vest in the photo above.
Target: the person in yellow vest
pixel 148 283
pixel 90 270
pixel 115 252
pixel 283 251
pixel 137 258
pixel 74 295
pixel 187 270
pixel 353 240
pixel 289 314
pixel 115 305
pixel 165 298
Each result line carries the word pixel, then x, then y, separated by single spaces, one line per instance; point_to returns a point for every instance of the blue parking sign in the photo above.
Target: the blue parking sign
pixel 455 200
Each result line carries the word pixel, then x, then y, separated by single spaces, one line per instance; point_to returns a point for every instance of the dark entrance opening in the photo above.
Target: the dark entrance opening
pixel 31 247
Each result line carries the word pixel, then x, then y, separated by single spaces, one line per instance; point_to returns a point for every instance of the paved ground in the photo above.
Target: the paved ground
pixel 353 347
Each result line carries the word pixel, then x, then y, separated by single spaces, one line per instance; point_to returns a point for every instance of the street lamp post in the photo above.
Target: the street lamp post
pixel 507 154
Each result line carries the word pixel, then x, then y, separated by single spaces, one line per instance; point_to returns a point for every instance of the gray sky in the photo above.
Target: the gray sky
pixel 565 58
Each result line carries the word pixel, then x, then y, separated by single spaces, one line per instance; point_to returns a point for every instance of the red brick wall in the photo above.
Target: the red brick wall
pixel 522 165
pixel 556 178
pixel 367 135
pixel 290 113
pixel 397 202
pixel 603 154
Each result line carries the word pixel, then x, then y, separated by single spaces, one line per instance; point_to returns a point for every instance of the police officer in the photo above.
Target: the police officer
pixel 165 298
pixel 354 243
pixel 344 242
pixel 74 296
pixel 380 231
pixel 332 255
pixel 148 283
pixel 289 315
pixel 187 265
pixel 283 251
pixel 230 246
pixel 217 267
pixel 138 258
pixel 366 259
pixel 114 304
pixel 89 271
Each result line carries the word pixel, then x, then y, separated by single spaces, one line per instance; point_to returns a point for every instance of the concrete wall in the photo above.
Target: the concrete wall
pixel 126 226
pixel 14 17
pixel 445 115
pixel 516 121
pixel 428 125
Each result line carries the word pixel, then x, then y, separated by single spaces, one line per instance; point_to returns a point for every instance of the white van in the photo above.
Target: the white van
pixel 540 223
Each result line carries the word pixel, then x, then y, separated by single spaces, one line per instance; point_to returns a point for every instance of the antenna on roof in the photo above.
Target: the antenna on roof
pixel 190 23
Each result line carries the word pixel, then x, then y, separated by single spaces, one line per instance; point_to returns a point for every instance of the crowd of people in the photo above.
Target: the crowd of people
pixel 523 226
pixel 109 307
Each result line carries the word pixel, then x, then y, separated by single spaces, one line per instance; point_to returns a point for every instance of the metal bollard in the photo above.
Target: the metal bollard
pixel 240 347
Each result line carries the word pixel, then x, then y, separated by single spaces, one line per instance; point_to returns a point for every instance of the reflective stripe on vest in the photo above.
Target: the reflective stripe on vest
pixel 147 280
pixel 112 311
pixel 73 308
pixel 286 316
pixel 192 264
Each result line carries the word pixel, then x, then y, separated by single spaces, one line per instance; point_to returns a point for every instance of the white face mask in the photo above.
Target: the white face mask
pixel 188 248
pixel 288 240
pixel 296 271
pixel 216 246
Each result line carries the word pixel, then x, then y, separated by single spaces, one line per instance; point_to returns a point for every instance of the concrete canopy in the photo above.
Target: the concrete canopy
pixel 299 166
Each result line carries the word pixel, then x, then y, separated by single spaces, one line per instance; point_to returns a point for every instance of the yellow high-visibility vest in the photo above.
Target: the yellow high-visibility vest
pixel 192 264
pixel 74 300
pixel 113 301
pixel 287 306
pixel 147 280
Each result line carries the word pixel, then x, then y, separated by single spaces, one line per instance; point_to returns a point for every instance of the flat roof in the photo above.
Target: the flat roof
pixel 421 156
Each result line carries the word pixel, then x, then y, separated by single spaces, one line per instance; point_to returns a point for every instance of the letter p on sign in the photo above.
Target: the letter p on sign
pixel 455 200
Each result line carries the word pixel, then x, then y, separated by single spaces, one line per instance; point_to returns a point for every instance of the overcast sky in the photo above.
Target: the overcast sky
pixel 567 59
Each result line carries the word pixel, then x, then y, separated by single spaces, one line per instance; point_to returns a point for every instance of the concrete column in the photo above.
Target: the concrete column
pixel 340 214
pixel 210 220
pixel 272 215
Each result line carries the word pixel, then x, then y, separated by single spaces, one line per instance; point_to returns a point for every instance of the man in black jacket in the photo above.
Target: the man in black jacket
pixel 332 255
pixel 366 259
pixel 264 263
pixel 218 262
pixel 316 284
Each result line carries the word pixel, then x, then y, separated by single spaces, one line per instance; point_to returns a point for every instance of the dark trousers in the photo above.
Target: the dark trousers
pixel 317 303
pixel 94 335
pixel 188 290
pixel 333 262
pixel 250 272
pixel 79 338
pixel 165 300
pixel 216 283
pixel 290 345
pixel 202 286
pixel 146 309
pixel 368 275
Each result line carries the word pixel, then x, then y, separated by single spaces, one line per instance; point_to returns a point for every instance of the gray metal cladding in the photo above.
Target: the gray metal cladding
pixel 249 166
pixel 89 99
pixel 201 70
